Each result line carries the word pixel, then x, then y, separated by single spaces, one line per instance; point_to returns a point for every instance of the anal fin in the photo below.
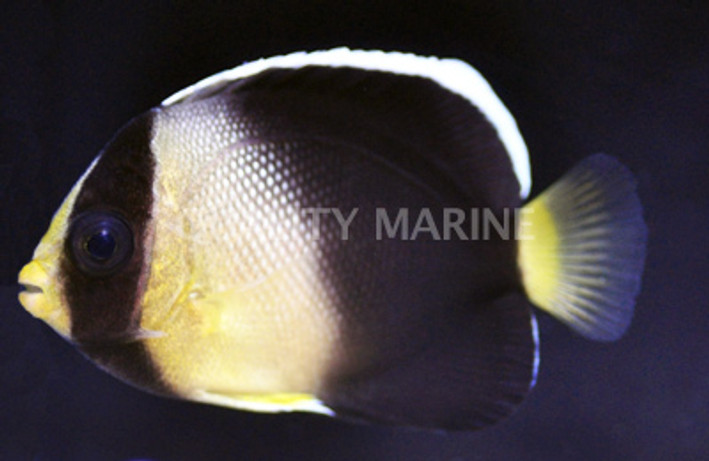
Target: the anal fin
pixel 475 370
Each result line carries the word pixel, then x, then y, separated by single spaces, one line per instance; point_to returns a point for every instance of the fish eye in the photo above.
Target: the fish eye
pixel 101 243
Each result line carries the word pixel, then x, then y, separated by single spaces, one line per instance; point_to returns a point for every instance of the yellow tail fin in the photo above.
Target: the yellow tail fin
pixel 582 248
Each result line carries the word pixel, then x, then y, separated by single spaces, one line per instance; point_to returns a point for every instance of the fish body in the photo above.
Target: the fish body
pixel 301 233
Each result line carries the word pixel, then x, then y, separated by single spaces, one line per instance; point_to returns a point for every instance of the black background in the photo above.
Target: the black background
pixel 627 78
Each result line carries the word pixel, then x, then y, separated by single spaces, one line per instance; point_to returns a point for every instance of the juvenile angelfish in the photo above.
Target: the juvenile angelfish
pixel 340 232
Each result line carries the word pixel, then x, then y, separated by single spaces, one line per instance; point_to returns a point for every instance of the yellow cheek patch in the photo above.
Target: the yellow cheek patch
pixel 43 295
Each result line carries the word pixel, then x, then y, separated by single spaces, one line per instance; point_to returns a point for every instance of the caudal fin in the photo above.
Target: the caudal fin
pixel 582 248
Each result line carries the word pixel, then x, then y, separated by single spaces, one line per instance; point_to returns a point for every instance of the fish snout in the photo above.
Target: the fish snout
pixel 35 280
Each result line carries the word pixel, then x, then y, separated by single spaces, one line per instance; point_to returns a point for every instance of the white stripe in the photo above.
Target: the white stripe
pixel 452 74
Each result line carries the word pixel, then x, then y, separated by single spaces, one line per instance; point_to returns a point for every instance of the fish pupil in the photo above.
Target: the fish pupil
pixel 102 245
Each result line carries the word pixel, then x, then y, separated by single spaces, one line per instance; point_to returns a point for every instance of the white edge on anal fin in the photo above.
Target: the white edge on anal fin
pixel 452 74
pixel 535 365
pixel 310 406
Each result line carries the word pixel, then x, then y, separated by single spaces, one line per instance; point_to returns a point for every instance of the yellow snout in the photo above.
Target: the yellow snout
pixel 40 298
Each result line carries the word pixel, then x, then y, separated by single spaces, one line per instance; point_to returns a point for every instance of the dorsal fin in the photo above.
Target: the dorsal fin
pixel 451 76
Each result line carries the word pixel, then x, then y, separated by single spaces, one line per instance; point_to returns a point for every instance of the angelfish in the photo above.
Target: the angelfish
pixel 182 261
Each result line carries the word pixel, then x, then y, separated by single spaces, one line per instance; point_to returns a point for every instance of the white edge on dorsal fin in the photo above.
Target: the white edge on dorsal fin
pixel 452 74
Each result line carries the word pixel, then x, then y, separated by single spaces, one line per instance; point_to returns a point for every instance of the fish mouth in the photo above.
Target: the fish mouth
pixel 34 279
pixel 40 297
pixel 30 289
